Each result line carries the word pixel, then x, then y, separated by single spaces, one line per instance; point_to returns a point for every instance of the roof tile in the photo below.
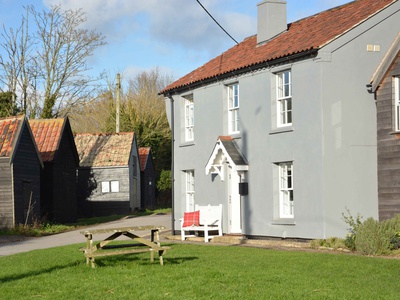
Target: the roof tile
pixel 100 150
pixel 8 133
pixel 47 134
pixel 304 35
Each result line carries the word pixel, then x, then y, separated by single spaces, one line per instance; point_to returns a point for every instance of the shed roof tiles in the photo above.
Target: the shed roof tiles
pixel 143 156
pixel 302 36
pixel 9 128
pixel 47 134
pixel 100 150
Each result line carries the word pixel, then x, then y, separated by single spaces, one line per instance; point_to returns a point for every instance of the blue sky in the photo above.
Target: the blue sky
pixel 176 36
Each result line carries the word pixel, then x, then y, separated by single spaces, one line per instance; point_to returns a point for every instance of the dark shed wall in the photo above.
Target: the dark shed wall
pixel 148 185
pixel 93 202
pixel 64 188
pixel 6 201
pixel 26 172
pixel 388 147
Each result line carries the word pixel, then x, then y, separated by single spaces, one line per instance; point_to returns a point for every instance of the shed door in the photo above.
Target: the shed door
pixel 234 207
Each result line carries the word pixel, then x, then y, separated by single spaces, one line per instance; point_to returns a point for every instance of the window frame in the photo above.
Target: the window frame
pixel 189 190
pixel 286 191
pixel 284 98
pixel 233 107
pixel 189 118
pixel 110 186
pixel 397 103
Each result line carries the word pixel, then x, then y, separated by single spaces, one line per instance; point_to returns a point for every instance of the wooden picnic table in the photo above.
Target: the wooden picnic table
pixel 99 249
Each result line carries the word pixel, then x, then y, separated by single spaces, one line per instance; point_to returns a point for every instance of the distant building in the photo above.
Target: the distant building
pixel 109 173
pixel 20 168
pixel 147 178
pixel 56 145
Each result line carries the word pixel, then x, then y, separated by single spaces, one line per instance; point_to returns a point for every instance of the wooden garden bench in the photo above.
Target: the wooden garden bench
pixel 204 218
pixel 91 251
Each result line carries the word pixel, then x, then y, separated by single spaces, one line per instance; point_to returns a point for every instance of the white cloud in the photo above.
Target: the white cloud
pixel 180 23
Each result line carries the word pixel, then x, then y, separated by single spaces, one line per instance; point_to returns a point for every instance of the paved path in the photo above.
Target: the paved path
pixel 74 237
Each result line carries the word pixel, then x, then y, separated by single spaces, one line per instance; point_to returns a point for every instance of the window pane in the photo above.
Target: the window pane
pixel 114 186
pixel 105 186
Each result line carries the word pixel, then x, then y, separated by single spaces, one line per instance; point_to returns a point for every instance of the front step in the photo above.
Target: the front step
pixel 229 239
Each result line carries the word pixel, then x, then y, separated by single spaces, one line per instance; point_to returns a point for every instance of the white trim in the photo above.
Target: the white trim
pixel 286 190
pixel 189 190
pixel 284 98
pixel 217 159
pixel 397 103
pixel 233 107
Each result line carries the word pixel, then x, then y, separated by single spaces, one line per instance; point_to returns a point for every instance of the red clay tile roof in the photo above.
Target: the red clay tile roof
pixel 302 36
pixel 100 150
pixel 143 154
pixel 9 128
pixel 47 134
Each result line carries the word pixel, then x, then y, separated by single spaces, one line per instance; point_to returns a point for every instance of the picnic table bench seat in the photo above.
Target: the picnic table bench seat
pixel 206 218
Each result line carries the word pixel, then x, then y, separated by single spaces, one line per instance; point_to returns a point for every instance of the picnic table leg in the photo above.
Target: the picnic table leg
pixel 89 245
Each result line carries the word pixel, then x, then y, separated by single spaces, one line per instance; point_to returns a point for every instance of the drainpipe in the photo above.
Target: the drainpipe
pixel 171 99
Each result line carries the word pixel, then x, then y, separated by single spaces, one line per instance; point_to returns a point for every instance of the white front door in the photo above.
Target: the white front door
pixel 234 207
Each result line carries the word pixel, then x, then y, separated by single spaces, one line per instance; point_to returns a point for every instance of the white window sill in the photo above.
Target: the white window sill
pixel 235 135
pixel 187 144
pixel 394 132
pixel 281 130
pixel 290 222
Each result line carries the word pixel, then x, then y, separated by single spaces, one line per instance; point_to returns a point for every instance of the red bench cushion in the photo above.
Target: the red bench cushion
pixel 191 218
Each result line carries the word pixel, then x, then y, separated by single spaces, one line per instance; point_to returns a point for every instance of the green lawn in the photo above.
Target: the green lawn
pixel 199 272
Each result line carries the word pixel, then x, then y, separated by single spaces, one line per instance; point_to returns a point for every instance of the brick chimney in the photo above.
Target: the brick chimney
pixel 271 19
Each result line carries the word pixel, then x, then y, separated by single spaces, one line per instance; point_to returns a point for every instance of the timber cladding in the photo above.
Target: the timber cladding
pixel 388 146
pixel 6 205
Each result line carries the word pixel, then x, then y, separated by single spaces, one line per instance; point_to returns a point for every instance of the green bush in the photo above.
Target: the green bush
pixel 165 182
pixel 373 238
pixel 354 223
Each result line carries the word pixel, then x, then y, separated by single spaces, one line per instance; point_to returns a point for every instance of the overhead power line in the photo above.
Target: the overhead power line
pixel 216 21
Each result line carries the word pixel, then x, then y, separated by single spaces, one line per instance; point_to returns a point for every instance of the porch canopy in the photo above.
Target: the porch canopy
pixel 226 150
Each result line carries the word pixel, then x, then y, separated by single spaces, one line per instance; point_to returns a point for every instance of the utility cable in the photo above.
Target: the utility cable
pixel 216 21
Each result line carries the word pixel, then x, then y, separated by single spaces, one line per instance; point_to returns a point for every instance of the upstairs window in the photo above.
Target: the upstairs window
pixel 189 118
pixel 397 102
pixel 284 98
pixel 233 108
pixel 286 190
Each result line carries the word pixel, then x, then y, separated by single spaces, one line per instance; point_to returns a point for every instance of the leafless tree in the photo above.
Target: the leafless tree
pixel 47 67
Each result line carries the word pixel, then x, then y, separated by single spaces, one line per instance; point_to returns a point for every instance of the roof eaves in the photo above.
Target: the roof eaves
pixel 239 71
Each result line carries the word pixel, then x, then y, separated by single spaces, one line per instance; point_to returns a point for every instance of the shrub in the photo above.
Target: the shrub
pixel 354 223
pixel 373 238
pixel 165 182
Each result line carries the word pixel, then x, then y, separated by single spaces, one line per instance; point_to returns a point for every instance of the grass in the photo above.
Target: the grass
pixel 41 229
pixel 199 272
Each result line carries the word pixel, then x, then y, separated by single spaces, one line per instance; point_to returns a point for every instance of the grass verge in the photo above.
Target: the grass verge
pixel 199 272
pixel 41 229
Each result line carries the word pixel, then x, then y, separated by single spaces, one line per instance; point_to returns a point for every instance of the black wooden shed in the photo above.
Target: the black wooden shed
pixel 56 145
pixel 20 168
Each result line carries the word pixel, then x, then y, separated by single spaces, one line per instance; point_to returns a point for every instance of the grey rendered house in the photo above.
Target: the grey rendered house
pixel 385 84
pixel 20 168
pixel 280 129
pixel 109 174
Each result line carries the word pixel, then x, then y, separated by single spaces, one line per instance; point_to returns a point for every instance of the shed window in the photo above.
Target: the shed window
pixel 110 186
